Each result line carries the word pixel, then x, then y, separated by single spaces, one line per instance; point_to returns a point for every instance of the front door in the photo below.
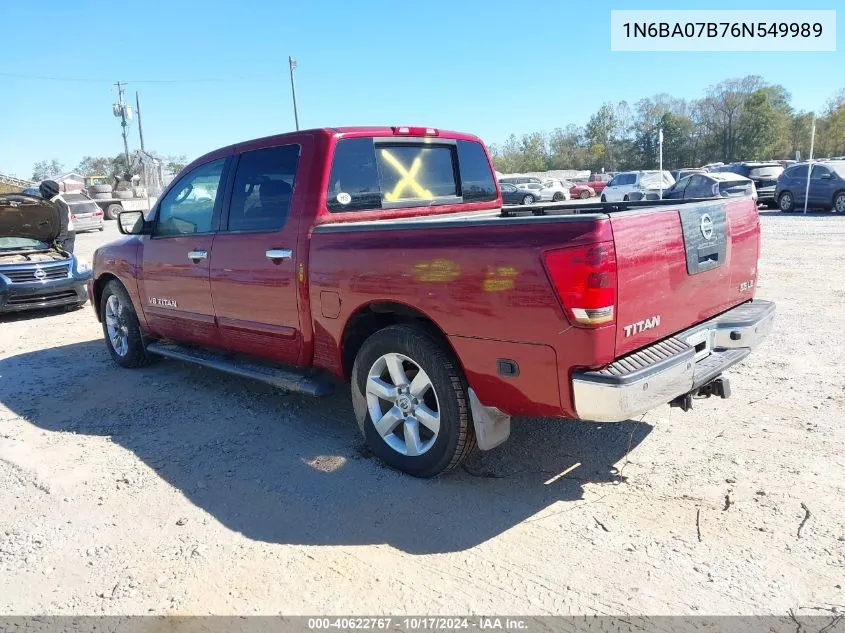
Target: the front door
pixel 175 289
pixel 254 257
pixel 822 186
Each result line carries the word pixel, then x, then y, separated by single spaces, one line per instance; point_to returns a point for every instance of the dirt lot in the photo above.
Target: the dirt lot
pixel 175 489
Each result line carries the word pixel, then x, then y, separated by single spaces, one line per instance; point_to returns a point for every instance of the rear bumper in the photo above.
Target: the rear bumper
pixel 673 367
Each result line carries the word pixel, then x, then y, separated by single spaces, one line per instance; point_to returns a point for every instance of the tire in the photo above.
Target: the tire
pixel 585 194
pixel 786 202
pixel 603 199
pixel 626 199
pixel 112 211
pixel 100 188
pixel 839 202
pixel 103 196
pixel 528 199
pixel 123 194
pixel 118 312
pixel 409 350
pixel 101 228
pixel 558 197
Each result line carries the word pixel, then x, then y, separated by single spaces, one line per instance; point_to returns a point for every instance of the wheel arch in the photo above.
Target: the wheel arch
pixel 836 193
pixel 99 286
pixel 371 317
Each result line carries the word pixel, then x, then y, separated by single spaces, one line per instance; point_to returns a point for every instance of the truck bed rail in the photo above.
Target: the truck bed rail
pixel 567 208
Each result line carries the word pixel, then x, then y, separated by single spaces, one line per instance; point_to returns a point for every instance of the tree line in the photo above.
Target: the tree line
pixel 737 119
pixel 102 166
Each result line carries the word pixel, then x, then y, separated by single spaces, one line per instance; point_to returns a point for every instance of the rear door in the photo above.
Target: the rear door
pixel 254 259
pixel 175 289
pixel 680 266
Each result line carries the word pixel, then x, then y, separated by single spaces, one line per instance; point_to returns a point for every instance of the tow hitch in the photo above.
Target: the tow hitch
pixel 717 387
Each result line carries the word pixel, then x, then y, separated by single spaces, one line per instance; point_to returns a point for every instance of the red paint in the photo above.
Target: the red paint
pixel 487 286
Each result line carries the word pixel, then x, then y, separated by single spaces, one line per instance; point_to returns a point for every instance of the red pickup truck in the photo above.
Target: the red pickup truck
pixel 597 182
pixel 382 257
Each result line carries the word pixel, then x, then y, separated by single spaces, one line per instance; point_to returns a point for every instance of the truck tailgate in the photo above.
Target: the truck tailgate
pixel 678 266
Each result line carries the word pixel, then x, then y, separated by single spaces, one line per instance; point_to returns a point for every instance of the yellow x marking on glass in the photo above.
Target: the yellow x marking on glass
pixel 408 180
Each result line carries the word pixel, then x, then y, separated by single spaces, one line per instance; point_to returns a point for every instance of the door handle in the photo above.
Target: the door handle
pixel 195 256
pixel 278 254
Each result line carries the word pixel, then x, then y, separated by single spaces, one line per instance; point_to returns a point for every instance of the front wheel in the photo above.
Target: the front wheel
pixel 839 202
pixel 529 199
pixel 603 198
pixel 121 329
pixel 558 197
pixel 786 202
pixel 413 400
pixel 586 194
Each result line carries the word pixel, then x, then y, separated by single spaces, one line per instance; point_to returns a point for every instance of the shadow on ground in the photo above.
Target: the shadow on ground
pixel 288 469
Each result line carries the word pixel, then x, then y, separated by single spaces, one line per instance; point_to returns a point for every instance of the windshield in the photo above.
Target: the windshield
pixel 18 243
pixel 838 167
pixel 769 171
pixel 83 207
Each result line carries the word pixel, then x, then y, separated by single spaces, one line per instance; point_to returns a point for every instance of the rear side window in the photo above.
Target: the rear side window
pixel 771 172
pixel 369 174
pixel 477 183
pixel 263 189
pixel 735 188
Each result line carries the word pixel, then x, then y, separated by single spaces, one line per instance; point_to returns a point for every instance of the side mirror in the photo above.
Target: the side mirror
pixel 132 223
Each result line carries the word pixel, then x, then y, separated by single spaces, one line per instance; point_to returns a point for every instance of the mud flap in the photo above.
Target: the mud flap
pixel 492 426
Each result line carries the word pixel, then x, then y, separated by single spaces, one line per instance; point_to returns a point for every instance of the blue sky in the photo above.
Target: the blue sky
pixel 490 68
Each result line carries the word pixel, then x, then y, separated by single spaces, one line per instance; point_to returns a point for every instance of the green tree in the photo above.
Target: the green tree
pixel 45 169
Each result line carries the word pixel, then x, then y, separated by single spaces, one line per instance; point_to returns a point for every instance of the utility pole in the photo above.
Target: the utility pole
pixel 138 111
pixel 810 163
pixel 660 142
pixel 292 63
pixel 120 110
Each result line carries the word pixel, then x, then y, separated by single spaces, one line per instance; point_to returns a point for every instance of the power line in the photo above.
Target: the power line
pixel 134 81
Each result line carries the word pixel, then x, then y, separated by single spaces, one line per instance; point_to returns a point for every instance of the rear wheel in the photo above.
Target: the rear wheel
pixel 529 199
pixel 558 197
pixel 113 210
pixel 786 202
pixel 586 194
pixel 121 328
pixel 625 199
pixel 416 408
pixel 839 202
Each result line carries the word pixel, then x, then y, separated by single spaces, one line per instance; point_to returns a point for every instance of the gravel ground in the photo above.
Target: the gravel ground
pixel 179 490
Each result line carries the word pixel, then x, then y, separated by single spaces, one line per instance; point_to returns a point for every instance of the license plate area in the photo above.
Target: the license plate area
pixel 702 342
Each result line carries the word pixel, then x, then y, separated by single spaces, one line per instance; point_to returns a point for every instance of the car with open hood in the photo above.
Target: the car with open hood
pixel 34 271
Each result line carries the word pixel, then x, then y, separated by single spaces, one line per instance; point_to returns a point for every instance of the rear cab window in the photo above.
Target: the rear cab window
pixel 372 173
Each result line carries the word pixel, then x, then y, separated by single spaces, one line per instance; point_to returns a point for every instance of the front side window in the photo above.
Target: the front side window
pixel 263 189
pixel 189 206
pixel 369 173
pixel 818 172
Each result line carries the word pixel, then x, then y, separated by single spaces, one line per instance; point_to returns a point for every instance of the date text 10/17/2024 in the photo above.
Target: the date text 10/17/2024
pixel 480 623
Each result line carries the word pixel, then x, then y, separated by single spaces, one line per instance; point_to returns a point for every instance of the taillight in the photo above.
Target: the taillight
pixel 584 278
pixel 98 212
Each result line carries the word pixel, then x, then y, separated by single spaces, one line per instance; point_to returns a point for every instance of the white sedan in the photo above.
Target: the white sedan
pixel 549 190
